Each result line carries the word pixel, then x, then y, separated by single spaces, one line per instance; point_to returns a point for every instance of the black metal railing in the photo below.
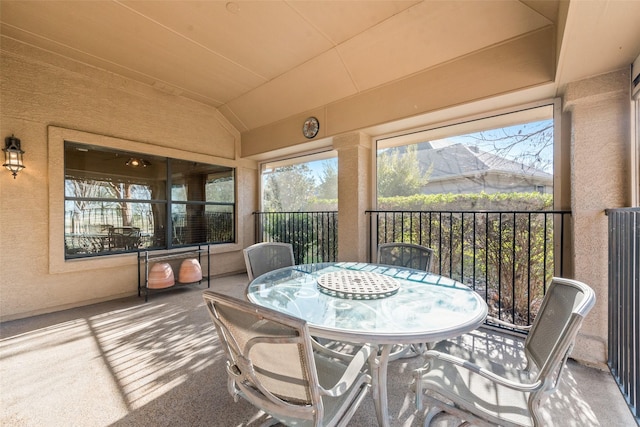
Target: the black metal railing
pixel 624 303
pixel 314 235
pixel 506 256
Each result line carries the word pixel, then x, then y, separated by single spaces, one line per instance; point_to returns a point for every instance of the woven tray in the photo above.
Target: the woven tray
pixel 357 285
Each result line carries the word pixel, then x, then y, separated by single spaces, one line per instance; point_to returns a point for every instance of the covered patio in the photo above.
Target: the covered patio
pixel 230 85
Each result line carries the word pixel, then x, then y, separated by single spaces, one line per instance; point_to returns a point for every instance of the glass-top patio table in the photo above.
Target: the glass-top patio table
pixel 375 304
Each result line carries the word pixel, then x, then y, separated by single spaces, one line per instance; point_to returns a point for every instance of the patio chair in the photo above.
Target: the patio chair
pixel 405 255
pixel 264 257
pixel 412 256
pixel 127 238
pixel 271 363
pixel 486 392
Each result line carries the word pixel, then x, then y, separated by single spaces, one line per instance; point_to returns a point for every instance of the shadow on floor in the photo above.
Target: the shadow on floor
pixel 131 363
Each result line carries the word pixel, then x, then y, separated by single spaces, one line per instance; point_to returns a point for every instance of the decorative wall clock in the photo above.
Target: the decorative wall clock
pixel 310 127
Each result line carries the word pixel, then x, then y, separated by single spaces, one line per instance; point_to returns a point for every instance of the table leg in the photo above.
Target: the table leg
pixel 379 366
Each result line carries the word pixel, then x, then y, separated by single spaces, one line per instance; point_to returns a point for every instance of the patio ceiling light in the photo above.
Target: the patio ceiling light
pixel 137 163
pixel 13 155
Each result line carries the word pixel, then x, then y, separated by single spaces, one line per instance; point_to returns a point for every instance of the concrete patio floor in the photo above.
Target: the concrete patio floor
pixel 131 363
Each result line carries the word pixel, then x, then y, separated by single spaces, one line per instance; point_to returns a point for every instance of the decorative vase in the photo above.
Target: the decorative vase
pixel 190 271
pixel 161 276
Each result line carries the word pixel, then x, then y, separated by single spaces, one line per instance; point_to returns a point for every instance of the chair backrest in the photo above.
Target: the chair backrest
pixel 269 356
pixel 405 255
pixel 267 256
pixel 125 237
pixel 556 325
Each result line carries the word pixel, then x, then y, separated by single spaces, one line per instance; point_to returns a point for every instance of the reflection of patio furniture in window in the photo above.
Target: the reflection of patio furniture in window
pixel 91 239
pixel 126 238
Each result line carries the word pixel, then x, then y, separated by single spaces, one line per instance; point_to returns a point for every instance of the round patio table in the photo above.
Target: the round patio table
pixel 370 303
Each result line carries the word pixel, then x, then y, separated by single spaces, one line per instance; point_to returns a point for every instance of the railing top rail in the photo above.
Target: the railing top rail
pixel 614 210
pixel 475 211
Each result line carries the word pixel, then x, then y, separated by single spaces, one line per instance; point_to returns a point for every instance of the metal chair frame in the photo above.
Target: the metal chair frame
pixel 487 393
pixel 273 363
pixel 264 257
pixel 405 255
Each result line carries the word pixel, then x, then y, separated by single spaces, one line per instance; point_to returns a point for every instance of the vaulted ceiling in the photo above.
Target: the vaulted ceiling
pixel 260 62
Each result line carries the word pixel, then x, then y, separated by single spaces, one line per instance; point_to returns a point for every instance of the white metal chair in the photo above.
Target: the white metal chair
pixel 271 363
pixel 405 255
pixel 264 257
pixel 485 392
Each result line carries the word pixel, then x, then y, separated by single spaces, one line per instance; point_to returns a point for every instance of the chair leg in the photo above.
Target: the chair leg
pixel 417 385
pixel 431 414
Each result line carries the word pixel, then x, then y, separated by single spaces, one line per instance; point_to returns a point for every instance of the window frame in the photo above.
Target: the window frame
pixel 106 241
pixel 55 182
pixel 439 128
pixel 294 159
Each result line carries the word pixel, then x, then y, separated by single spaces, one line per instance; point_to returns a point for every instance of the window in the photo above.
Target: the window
pixel 307 183
pixel 507 153
pixel 117 201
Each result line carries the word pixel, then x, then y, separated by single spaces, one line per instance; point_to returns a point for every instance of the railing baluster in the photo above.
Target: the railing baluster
pixel 451 244
pixel 462 247
pixel 513 271
pixel 624 303
pixel 486 257
pixel 529 268
pixel 500 265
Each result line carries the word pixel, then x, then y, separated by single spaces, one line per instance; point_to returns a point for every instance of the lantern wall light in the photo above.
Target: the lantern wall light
pixel 13 155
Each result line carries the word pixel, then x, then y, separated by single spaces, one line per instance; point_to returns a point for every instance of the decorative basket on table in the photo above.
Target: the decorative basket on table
pixel 363 285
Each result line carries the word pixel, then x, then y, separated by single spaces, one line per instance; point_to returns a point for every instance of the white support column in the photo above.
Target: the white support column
pixel 600 142
pixel 354 174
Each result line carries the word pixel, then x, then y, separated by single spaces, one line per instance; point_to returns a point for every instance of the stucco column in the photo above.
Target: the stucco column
pixel 354 172
pixel 600 141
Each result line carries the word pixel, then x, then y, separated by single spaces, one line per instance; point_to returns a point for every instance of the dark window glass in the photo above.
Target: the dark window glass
pixel 118 201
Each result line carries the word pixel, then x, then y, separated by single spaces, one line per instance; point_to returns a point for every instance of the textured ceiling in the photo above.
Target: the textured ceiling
pixel 263 61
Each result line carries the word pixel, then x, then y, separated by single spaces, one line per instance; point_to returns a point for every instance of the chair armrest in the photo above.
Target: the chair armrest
pixel 351 373
pixel 508 324
pixel 483 372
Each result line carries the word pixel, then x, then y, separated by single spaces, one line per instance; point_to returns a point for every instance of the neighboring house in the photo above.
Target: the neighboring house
pixel 458 168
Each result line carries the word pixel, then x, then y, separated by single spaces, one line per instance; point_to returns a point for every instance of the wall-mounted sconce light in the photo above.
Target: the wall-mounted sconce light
pixel 13 155
pixel 137 163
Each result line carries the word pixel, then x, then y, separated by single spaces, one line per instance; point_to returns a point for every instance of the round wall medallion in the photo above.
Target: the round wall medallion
pixel 310 127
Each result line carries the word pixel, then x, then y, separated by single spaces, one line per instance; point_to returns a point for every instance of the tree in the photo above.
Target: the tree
pixel 530 144
pixel 289 188
pixel 399 172
pixel 328 187
pixel 220 188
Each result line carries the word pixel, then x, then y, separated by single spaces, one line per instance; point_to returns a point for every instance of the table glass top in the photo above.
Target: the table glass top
pixel 426 307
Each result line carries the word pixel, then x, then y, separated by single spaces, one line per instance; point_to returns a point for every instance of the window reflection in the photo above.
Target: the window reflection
pixel 118 202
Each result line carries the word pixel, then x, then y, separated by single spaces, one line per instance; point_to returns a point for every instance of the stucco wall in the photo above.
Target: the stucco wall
pixel 600 145
pixel 354 195
pixel 45 99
